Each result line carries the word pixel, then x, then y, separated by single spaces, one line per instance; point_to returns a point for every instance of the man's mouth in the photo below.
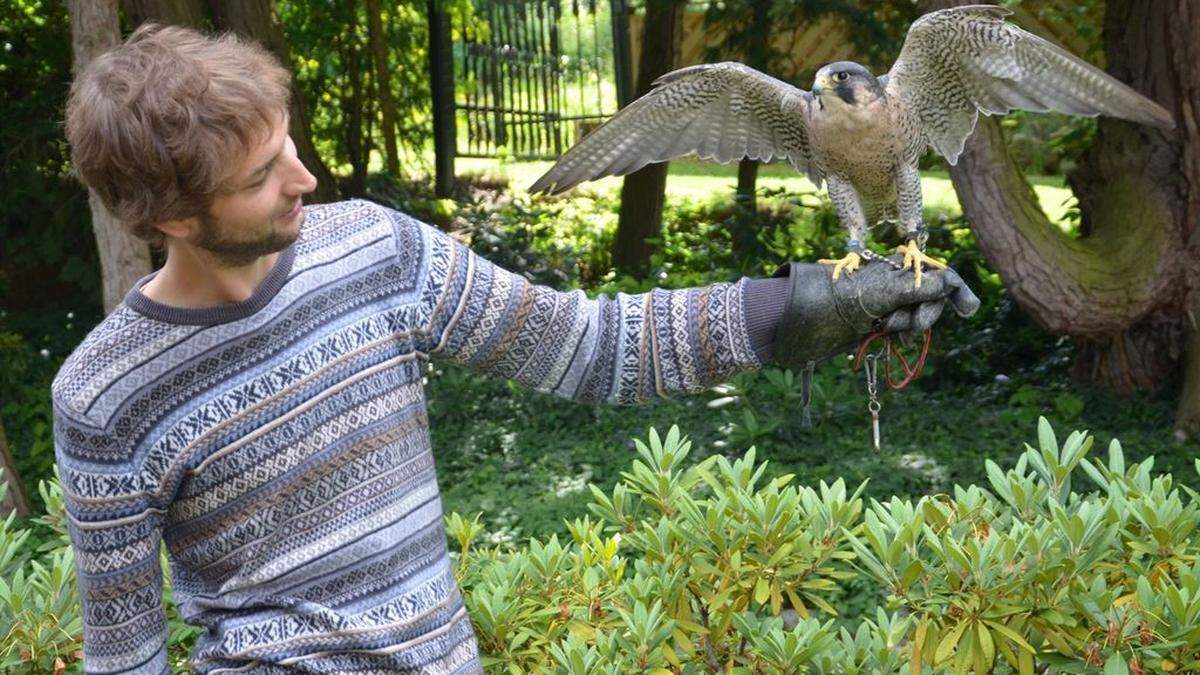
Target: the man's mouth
pixel 293 212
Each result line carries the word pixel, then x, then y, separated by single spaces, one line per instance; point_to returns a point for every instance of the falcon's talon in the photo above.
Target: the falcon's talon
pixel 852 261
pixel 920 235
pixel 914 257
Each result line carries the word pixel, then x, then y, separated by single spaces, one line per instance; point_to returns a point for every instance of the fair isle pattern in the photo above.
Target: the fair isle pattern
pixel 624 349
pixel 280 447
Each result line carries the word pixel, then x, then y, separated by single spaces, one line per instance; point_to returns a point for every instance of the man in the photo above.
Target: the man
pixel 257 403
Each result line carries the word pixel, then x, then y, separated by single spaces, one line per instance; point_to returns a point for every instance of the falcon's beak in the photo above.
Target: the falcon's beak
pixel 820 84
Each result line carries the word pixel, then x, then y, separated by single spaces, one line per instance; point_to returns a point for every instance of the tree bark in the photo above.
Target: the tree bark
pixel 757 58
pixel 95 28
pixel 1124 288
pixel 353 103
pixel 383 89
pixel 15 499
pixel 170 12
pixel 1184 35
pixel 643 191
pixel 256 19
pixel 747 183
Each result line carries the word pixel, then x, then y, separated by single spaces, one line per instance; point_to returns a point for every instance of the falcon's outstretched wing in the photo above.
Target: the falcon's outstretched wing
pixel 721 111
pixel 958 61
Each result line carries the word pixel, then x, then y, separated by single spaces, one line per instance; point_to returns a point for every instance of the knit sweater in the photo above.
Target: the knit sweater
pixel 280 446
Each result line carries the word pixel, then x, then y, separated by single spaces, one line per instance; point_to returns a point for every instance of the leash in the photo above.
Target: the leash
pixel 890 352
pixel 870 363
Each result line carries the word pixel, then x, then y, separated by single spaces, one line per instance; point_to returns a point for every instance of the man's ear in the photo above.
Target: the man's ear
pixel 182 228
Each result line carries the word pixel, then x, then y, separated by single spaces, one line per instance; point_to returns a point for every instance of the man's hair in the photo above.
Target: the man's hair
pixel 159 124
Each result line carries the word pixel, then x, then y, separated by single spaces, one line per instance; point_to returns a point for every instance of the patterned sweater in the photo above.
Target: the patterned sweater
pixel 280 447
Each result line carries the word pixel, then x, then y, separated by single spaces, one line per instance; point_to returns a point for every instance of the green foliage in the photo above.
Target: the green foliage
pixel 879 29
pixel 323 38
pixel 49 252
pixel 561 242
pixel 40 621
pixel 25 410
pixel 1049 144
pixel 692 566
pixel 717 566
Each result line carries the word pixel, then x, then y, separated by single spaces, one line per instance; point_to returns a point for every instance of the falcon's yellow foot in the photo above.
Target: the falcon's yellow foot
pixel 914 257
pixel 851 262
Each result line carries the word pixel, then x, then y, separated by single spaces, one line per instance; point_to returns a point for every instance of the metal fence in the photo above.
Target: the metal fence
pixel 532 76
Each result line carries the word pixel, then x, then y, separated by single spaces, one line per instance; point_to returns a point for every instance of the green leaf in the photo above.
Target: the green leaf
pixel 918 642
pixel 911 573
pixel 949 642
pixel 1046 438
pixel 762 590
pixel 1115 665
pixel 1025 663
pixel 1011 635
pixel 988 645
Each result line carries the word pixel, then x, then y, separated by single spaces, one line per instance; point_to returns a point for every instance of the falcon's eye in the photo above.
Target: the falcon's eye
pixel 842 76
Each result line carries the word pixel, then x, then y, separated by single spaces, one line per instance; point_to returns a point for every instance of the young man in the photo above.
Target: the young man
pixel 257 403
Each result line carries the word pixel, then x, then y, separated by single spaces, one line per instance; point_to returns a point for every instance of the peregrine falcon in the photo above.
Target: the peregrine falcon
pixel 860 134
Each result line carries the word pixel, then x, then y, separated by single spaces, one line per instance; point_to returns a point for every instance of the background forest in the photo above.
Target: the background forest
pixel 1082 244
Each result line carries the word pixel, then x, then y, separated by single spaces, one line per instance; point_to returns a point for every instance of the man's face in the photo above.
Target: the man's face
pixel 259 211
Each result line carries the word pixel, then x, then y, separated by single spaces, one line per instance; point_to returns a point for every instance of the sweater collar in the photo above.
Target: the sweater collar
pixel 136 300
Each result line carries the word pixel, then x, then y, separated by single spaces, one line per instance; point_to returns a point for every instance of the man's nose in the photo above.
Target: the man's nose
pixel 302 181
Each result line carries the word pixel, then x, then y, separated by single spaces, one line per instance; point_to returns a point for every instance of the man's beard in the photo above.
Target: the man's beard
pixel 238 252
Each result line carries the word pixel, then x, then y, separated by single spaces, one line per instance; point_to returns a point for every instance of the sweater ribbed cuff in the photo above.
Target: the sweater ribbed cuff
pixel 764 301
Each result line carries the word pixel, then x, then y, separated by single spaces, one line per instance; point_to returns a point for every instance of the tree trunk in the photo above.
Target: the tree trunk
pixel 757 58
pixel 15 498
pixel 1183 30
pixel 441 86
pixel 124 259
pixel 353 103
pixel 171 12
pixel 643 191
pixel 747 183
pixel 1123 289
pixel 256 19
pixel 383 85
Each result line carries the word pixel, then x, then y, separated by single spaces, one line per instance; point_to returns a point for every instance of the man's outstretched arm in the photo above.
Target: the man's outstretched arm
pixel 619 349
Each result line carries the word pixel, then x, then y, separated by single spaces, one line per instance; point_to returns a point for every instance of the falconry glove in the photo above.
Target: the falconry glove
pixel 822 318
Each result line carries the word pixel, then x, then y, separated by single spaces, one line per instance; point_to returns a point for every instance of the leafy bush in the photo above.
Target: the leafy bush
pixel 40 617
pixel 712 565
pixel 716 566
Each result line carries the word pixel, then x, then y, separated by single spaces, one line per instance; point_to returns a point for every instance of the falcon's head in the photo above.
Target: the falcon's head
pixel 846 82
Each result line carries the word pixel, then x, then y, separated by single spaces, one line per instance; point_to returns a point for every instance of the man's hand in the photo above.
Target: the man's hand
pixel 823 318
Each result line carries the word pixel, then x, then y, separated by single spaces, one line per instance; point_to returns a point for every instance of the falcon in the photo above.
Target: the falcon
pixel 859 134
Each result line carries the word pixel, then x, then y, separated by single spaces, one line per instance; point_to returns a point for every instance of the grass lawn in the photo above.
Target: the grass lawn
pixel 696 180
